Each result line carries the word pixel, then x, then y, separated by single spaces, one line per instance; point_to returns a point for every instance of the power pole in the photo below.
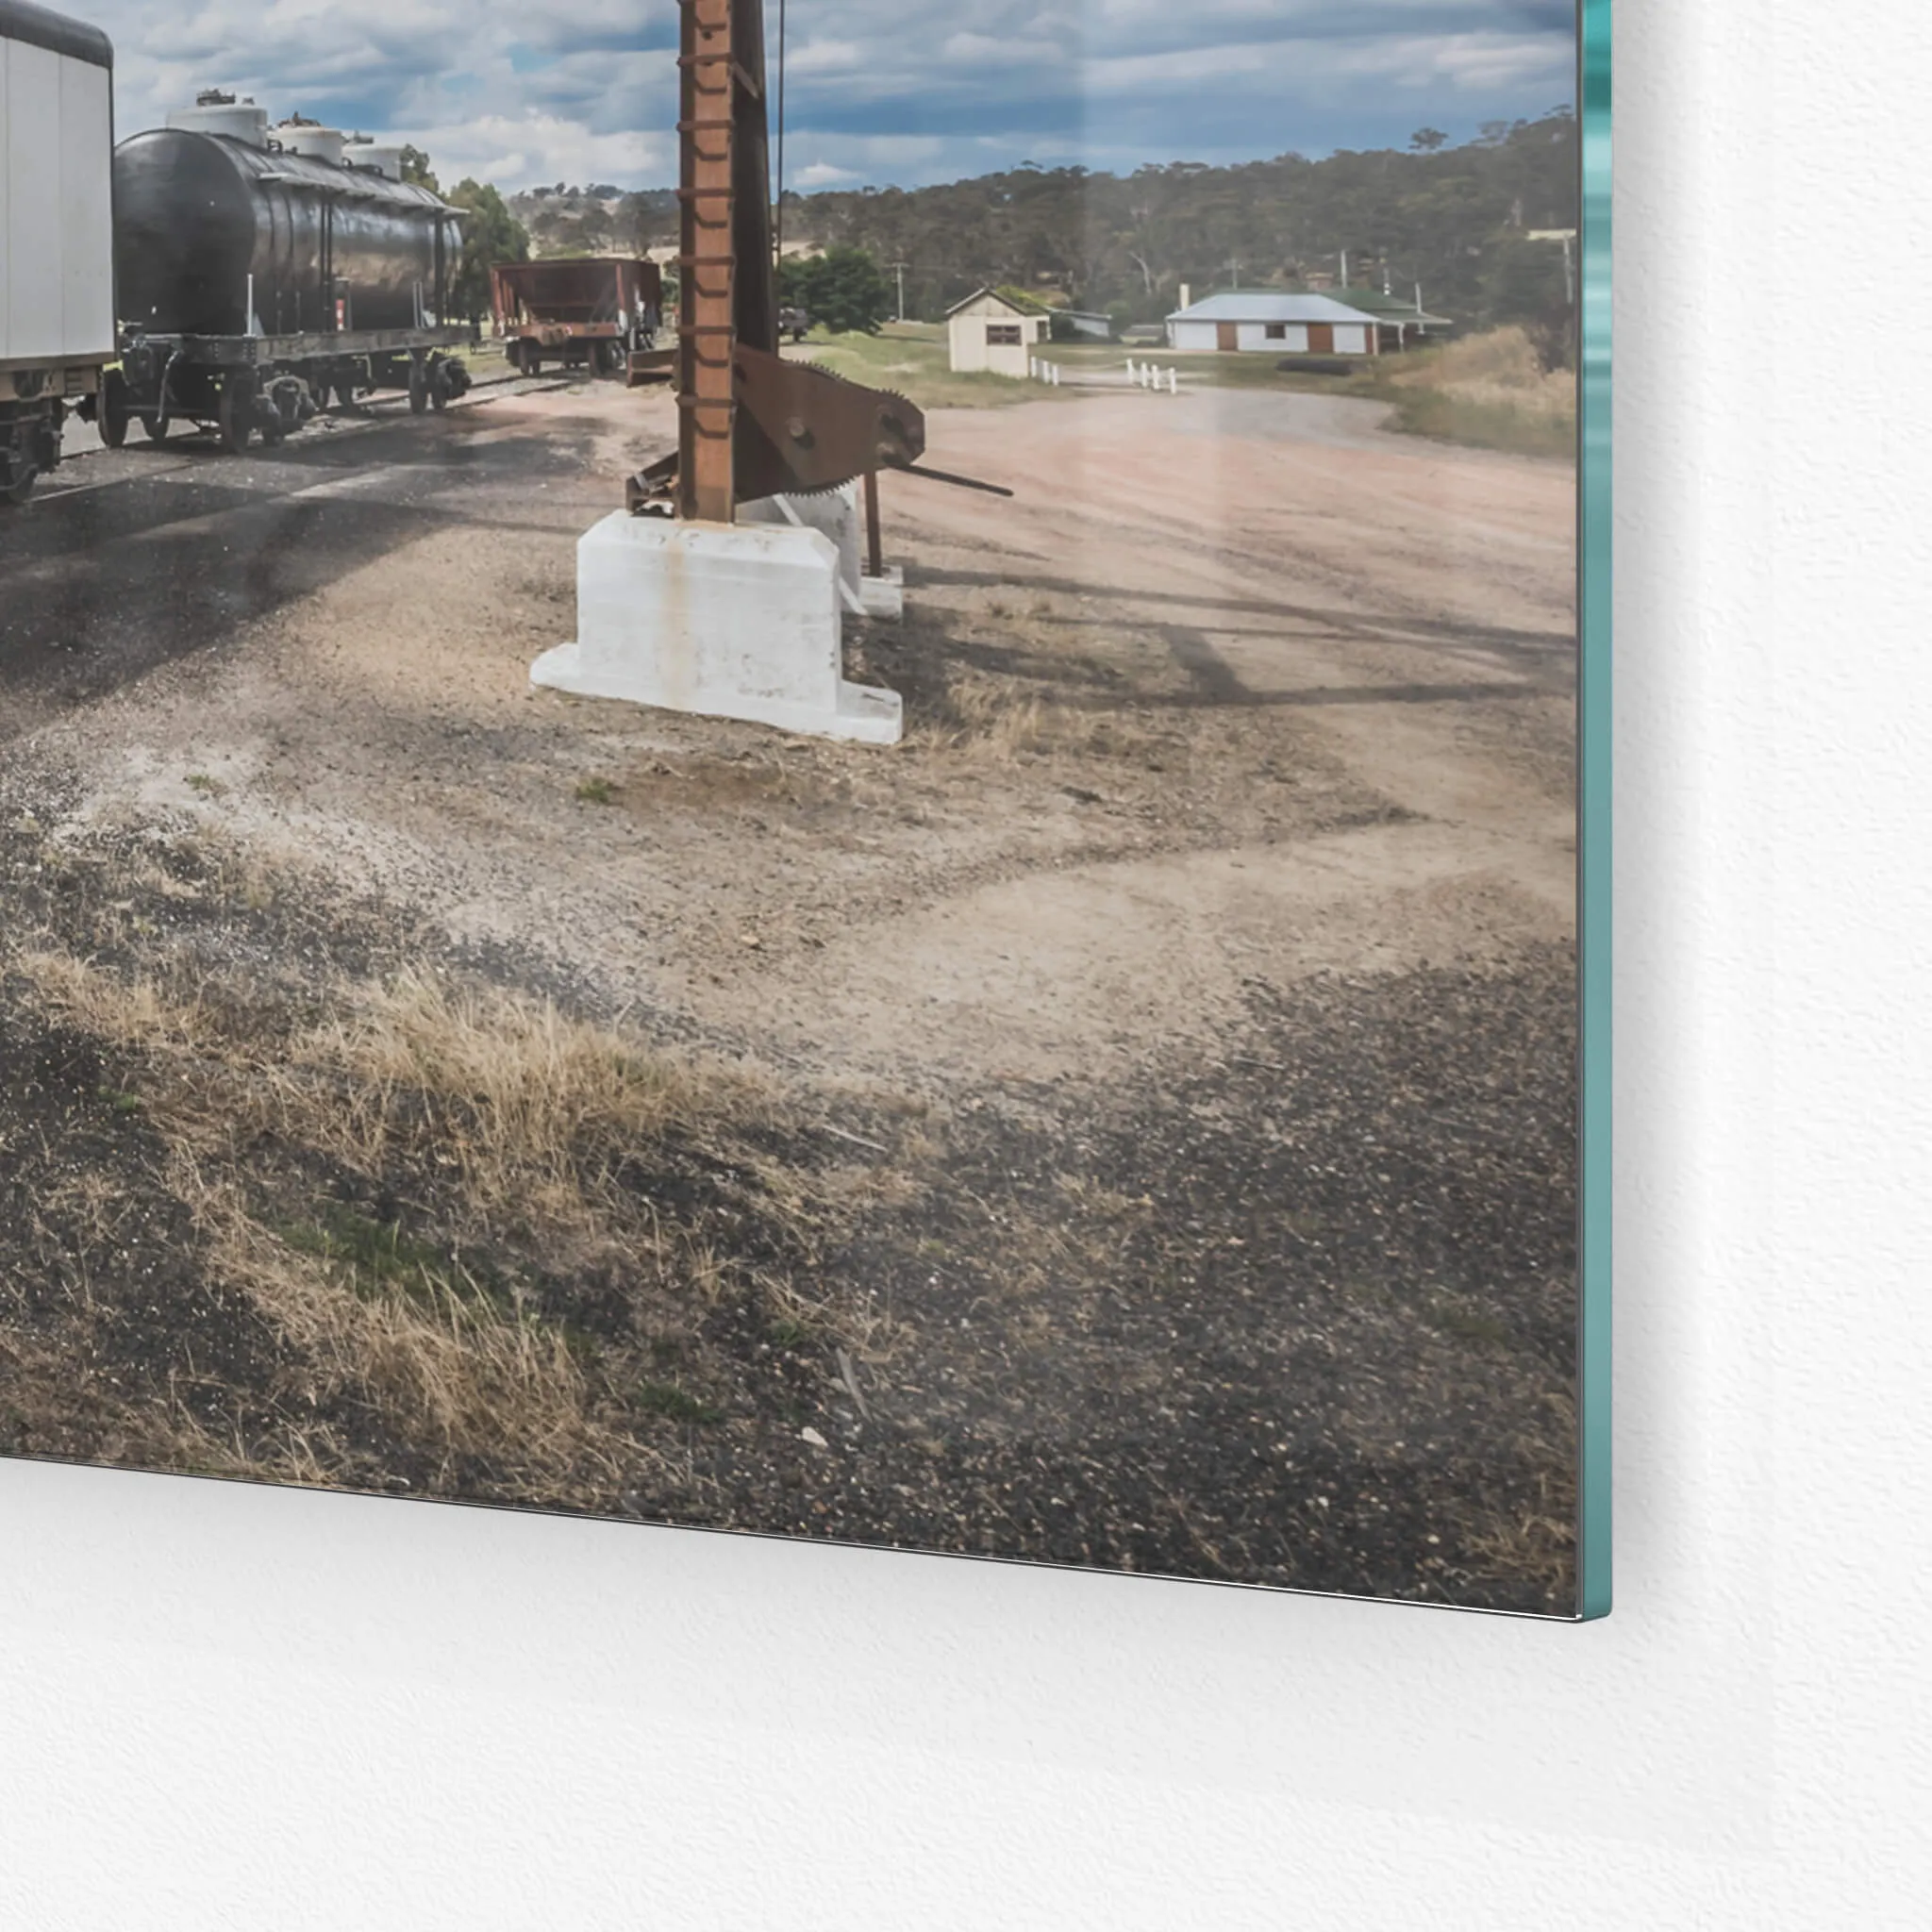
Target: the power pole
pixel 1567 237
pixel 899 269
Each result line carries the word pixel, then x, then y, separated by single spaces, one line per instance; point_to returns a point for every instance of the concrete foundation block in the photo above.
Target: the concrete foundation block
pixel 726 620
pixel 834 513
pixel 884 596
pixel 838 514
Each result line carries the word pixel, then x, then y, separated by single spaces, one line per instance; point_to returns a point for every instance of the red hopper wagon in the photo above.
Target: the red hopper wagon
pixel 592 312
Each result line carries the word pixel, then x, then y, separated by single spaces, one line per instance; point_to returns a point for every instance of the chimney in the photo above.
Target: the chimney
pixel 1187 300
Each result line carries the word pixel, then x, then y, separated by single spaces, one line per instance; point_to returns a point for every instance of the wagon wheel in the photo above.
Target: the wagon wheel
pixel 17 479
pixel 419 388
pixel 235 413
pixel 439 385
pixel 110 414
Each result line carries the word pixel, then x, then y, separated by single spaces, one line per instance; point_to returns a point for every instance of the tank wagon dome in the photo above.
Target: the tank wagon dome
pixel 379 157
pixel 215 113
pixel 30 26
pixel 310 139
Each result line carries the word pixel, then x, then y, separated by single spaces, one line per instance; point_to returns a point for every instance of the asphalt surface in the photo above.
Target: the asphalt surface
pixel 124 560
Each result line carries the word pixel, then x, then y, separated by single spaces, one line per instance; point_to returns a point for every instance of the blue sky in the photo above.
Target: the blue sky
pixel 877 91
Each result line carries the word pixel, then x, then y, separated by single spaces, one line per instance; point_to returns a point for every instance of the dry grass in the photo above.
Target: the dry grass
pixel 994 719
pixel 1499 367
pixel 455 1376
pixel 522 1100
pixel 1489 389
pixel 520 1144
pixel 986 717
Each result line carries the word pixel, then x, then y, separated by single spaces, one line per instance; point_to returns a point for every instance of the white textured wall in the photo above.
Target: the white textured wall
pixel 221 1707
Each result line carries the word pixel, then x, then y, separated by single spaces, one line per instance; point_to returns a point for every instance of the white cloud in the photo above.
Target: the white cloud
pixel 876 90
pixel 984 50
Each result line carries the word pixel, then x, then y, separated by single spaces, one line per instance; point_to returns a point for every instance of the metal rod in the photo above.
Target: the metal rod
pixel 874 566
pixel 778 200
pixel 947 477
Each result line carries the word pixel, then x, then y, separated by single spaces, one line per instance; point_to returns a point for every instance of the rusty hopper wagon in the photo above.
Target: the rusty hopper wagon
pixel 594 313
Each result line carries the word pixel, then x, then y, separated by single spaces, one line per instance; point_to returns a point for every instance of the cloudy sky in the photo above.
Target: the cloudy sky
pixel 876 90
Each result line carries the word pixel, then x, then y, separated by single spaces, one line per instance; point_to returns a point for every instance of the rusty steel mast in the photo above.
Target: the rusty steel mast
pixel 750 423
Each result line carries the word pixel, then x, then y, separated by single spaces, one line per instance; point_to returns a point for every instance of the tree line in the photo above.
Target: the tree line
pixel 1455 222
pixel 1453 219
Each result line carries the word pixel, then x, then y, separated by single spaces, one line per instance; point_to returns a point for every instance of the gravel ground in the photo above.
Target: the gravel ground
pixel 1170 1162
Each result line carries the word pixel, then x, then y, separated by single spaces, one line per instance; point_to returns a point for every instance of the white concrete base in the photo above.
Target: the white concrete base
pixel 836 514
pixel 727 620
pixel 884 596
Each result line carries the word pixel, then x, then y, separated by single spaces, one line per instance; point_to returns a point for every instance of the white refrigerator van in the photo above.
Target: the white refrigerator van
pixel 56 231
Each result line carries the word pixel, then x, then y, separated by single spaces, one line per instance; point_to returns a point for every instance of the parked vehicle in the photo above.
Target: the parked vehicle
pixel 57 266
pixel 794 322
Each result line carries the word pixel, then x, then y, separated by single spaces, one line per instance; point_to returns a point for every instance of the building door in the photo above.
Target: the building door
pixel 1322 337
pixel 1225 337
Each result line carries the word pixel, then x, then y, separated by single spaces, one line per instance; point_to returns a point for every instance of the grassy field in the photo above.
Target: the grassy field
pixel 911 357
pixel 1488 392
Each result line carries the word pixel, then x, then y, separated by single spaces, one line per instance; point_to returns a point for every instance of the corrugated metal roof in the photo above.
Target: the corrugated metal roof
pixel 1238 304
pixel 1031 307
pixel 1394 308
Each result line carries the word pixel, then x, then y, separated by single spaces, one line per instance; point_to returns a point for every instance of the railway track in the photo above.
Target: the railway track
pixel 73 477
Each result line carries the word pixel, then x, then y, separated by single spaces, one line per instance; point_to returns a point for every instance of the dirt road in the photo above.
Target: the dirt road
pixel 1213 927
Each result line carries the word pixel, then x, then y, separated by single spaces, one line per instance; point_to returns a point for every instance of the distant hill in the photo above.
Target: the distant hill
pixel 599 218
pixel 1457 218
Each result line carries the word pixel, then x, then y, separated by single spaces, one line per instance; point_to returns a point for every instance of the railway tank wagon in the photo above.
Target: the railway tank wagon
pixel 261 273
pixel 57 289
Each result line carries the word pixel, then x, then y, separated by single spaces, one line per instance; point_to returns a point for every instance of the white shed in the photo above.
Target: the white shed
pixel 1265 323
pixel 56 223
pixel 987 331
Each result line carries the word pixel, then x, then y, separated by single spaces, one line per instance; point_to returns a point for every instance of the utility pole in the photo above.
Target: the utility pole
pixel 1344 268
pixel 1567 237
pixel 899 269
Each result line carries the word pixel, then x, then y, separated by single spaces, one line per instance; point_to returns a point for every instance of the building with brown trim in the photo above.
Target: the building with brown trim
pixel 1260 322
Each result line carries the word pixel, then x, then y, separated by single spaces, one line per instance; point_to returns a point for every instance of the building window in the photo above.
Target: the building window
pixel 1003 335
pixel 1277 331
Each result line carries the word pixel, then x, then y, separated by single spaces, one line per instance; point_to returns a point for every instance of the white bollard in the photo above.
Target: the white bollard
pixel 1174 382
pixel 1130 368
